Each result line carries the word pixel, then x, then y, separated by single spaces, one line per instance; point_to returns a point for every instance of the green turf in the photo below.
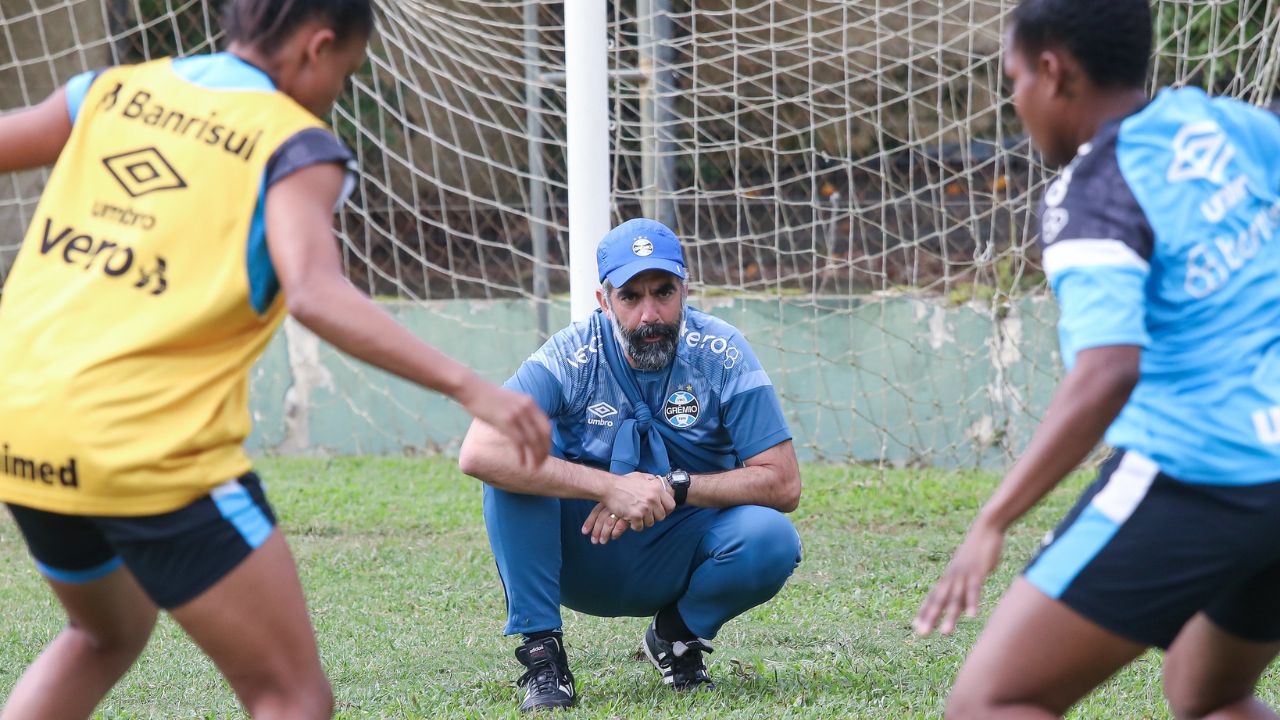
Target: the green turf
pixel 409 612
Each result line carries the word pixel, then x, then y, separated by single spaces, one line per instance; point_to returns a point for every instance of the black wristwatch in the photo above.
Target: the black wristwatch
pixel 679 481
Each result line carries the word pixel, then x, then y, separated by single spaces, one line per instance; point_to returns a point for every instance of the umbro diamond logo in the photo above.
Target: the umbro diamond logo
pixel 144 171
pixel 602 410
pixel 1201 151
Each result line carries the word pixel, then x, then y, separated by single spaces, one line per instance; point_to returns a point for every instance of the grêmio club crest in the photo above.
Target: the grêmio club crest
pixel 681 408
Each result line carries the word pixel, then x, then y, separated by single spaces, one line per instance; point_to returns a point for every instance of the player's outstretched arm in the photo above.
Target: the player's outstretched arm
pixel 638 500
pixel 299 215
pixel 34 137
pixel 1086 402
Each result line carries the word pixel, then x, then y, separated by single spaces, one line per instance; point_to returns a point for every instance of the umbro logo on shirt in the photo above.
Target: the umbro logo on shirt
pixel 1201 151
pixel 143 171
pixel 601 410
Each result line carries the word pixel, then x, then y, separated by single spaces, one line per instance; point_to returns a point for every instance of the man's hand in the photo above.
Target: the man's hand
pixel 639 499
pixel 603 525
pixel 960 588
pixel 515 415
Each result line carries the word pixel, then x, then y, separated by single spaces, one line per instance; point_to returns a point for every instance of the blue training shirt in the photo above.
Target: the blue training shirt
pixel 1161 233
pixel 715 395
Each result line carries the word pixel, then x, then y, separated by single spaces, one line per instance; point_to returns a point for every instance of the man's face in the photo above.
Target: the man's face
pixel 646 314
pixel 1038 101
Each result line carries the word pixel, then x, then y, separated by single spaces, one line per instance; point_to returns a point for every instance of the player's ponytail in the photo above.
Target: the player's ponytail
pixel 264 24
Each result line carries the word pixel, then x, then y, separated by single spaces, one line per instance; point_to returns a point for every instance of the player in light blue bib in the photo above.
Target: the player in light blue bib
pixel 672 469
pixel 1160 242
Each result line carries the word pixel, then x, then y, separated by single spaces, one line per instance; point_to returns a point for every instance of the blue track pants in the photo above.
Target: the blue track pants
pixel 715 564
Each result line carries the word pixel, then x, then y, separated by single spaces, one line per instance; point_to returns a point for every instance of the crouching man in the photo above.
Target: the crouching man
pixel 672 469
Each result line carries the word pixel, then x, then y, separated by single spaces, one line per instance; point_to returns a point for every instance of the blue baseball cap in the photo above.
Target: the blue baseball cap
pixel 635 246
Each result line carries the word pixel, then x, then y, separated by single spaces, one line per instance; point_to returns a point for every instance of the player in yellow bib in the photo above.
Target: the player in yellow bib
pixel 189 209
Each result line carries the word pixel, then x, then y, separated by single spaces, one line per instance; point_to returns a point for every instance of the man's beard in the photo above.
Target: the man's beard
pixel 650 356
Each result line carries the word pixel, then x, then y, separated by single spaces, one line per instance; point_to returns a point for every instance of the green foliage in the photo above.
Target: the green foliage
pixel 1220 37
pixel 408 608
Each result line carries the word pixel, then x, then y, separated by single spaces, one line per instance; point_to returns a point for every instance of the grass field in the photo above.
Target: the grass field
pixel 409 612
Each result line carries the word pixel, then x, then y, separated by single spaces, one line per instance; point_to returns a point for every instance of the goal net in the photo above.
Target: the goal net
pixel 854 192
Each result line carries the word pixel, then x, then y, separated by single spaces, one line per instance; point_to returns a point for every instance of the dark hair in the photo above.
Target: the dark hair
pixel 266 23
pixel 1110 38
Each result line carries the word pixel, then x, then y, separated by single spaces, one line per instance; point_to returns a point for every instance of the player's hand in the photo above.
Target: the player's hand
pixel 603 525
pixel 515 415
pixel 960 588
pixel 641 499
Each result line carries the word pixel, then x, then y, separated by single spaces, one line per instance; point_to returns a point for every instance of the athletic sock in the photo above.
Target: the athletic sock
pixel 671 627
pixel 542 634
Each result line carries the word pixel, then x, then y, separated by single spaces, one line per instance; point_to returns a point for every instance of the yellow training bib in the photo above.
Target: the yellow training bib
pixel 127 329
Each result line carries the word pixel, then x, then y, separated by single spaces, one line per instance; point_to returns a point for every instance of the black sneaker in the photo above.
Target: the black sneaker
pixel 680 663
pixel 547 682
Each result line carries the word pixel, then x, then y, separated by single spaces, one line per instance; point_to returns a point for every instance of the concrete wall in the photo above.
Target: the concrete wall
pixel 900 380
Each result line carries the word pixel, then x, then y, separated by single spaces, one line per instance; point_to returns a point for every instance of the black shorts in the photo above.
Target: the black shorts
pixel 1141 553
pixel 174 556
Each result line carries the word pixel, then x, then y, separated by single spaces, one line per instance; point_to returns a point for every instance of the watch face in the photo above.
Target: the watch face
pixel 680 482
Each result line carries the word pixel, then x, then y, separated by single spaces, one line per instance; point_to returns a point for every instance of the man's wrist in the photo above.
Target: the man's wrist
pixel 678 481
pixel 596 482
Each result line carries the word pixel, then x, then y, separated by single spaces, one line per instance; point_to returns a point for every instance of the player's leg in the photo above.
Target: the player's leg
pixel 225 574
pixel 524 533
pixel 253 624
pixel 638 574
pixel 1119 576
pixel 712 564
pixel 1037 655
pixel 1213 666
pixel 1211 673
pixel 744 557
pixel 109 620
pixel 693 572
pixel 1035 658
